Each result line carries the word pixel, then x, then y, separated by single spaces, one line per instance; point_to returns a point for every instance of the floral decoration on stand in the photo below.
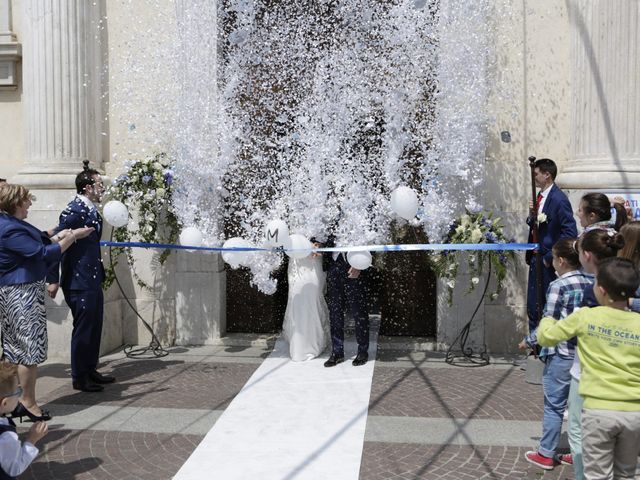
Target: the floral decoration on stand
pixel 145 188
pixel 475 227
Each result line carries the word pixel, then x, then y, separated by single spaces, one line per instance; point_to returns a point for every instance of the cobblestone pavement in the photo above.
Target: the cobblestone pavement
pixel 90 444
pixel 436 390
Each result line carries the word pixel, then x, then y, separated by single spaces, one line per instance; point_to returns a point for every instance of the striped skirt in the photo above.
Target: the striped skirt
pixel 24 323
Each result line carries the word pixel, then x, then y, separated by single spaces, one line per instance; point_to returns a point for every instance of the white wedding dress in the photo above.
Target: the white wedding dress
pixel 306 320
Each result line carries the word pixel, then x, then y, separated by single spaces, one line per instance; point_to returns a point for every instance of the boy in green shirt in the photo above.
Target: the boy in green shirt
pixel 609 351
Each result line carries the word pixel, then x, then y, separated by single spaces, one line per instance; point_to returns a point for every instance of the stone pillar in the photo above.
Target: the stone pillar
pixel 62 97
pixel 10 49
pixel 61 81
pixel 605 142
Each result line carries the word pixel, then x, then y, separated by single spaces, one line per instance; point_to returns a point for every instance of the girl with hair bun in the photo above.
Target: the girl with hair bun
pixel 594 212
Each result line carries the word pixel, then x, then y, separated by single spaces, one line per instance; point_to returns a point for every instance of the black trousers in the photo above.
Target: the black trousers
pixel 87 307
pixel 548 275
pixel 345 292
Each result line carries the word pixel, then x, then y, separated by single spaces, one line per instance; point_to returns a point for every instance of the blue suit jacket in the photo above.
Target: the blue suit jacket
pixel 82 267
pixel 26 253
pixel 560 223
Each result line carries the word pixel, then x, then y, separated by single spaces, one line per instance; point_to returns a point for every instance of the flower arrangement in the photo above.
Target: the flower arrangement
pixel 475 227
pixel 145 188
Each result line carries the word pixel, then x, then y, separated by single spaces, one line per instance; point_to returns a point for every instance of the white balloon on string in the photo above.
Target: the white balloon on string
pixel 360 260
pixel 191 237
pixel 404 202
pixel 299 242
pixel 276 233
pixel 116 213
pixel 236 259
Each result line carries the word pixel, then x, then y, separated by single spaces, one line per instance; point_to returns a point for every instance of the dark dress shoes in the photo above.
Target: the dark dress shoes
pixel 86 385
pixel 360 359
pixel 21 411
pixel 334 360
pixel 97 377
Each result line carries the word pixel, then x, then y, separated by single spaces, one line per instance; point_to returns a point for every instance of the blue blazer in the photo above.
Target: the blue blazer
pixel 82 267
pixel 560 223
pixel 26 253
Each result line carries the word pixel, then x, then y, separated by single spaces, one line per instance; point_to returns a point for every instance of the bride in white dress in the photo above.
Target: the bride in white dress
pixel 306 320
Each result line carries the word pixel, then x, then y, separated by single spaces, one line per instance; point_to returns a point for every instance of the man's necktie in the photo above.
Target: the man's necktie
pixel 538 201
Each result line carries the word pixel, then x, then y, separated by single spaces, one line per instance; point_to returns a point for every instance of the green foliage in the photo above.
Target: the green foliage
pixel 476 227
pixel 146 188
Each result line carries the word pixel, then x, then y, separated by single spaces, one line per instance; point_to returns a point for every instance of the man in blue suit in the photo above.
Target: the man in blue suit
pixel 81 281
pixel 555 221
pixel 346 287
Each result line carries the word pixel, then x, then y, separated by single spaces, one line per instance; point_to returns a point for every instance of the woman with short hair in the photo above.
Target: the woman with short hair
pixel 26 254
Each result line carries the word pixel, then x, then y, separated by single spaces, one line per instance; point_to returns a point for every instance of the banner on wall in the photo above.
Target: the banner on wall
pixel 631 202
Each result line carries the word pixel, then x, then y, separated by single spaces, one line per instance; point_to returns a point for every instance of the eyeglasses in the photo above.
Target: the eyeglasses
pixel 17 393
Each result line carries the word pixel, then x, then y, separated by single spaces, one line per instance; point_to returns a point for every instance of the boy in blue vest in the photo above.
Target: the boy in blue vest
pixel 15 457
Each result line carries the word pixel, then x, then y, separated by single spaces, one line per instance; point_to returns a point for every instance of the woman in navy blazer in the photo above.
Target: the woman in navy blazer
pixel 26 253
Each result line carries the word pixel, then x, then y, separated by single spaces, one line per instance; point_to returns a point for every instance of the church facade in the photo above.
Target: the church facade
pixel 568 91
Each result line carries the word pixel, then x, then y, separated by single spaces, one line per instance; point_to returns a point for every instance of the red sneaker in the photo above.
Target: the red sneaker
pixel 538 460
pixel 565 459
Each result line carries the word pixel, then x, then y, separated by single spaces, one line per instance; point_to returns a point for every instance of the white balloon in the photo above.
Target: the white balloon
pixel 191 237
pixel 116 213
pixel 359 260
pixel 236 259
pixel 404 202
pixel 299 242
pixel 276 233
pixel 286 243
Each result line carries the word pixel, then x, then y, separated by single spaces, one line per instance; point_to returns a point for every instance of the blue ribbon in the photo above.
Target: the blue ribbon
pixel 365 248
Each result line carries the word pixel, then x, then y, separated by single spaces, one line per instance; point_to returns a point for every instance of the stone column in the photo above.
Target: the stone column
pixel 10 49
pixel 605 142
pixel 61 74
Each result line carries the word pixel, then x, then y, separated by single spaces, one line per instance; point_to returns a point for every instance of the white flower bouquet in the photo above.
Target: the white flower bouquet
pixel 475 227
pixel 146 188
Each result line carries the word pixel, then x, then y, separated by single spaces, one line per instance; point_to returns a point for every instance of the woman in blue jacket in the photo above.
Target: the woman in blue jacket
pixel 26 254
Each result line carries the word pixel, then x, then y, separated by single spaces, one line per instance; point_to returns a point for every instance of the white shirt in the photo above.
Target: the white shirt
pixel 92 208
pixel 335 255
pixel 15 457
pixel 545 194
pixel 86 201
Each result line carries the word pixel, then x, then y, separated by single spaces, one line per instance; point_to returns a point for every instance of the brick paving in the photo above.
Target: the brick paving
pixel 96 454
pixel 167 383
pixel 384 461
pixel 400 389
pixel 455 392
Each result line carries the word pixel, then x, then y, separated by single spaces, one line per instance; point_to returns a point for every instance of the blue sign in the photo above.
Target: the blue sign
pixel 631 203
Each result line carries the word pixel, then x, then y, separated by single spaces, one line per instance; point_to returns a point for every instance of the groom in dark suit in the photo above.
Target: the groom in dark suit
pixel 346 286
pixel 81 281
pixel 555 221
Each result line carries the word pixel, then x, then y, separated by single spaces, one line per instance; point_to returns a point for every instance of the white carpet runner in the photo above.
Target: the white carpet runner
pixel 290 421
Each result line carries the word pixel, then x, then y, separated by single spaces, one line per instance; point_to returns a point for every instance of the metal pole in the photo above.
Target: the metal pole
pixel 536 253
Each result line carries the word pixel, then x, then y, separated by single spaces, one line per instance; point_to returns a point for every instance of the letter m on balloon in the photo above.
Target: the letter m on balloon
pixel 272 236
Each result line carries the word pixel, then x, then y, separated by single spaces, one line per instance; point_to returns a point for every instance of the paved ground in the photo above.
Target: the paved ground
pixel 426 419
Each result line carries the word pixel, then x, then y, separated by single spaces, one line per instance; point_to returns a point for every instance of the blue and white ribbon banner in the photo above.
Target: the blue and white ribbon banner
pixel 363 248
